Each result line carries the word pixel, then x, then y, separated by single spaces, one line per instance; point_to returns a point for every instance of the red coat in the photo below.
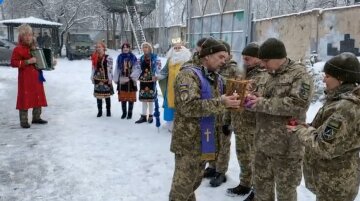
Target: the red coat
pixel 30 89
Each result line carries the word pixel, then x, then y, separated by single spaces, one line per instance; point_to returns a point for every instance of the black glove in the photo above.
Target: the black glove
pixel 226 130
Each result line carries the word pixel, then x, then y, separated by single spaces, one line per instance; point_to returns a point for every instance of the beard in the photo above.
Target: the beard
pixel 181 56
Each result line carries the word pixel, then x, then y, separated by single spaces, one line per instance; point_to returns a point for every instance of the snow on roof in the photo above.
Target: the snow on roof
pixel 319 10
pixel 30 20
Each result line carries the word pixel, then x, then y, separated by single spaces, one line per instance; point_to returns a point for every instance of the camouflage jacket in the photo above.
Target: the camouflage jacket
pixel 333 138
pixel 189 108
pixel 287 94
pixel 247 118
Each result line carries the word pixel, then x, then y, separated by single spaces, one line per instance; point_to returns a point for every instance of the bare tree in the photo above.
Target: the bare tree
pixel 71 13
pixel 2 12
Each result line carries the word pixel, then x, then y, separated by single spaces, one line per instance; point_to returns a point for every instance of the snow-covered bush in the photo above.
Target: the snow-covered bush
pixel 317 75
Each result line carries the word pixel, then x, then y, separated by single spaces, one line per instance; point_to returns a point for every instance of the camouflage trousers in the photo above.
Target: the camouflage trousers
pixel 331 182
pixel 221 163
pixel 283 171
pixel 189 170
pixel 244 140
pixel 23 114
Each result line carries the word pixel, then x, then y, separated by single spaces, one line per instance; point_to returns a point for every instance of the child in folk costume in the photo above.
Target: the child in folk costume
pixel 150 65
pixel 102 77
pixel 126 74
pixel 177 56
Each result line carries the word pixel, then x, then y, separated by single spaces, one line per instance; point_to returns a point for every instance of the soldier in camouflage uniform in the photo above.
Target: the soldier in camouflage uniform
pixel 286 95
pixel 332 142
pixel 217 169
pixel 244 122
pixel 197 102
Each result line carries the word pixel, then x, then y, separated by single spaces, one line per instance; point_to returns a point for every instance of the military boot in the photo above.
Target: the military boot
pixel 141 120
pixel 209 172
pixel 239 190
pixel 218 179
pixel 150 119
pixel 124 111
pixel 108 107
pixel 36 116
pixel 23 114
pixel 99 106
pixel 250 197
pixel 131 105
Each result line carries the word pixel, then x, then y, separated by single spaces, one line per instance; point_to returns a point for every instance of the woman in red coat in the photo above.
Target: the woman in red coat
pixel 30 80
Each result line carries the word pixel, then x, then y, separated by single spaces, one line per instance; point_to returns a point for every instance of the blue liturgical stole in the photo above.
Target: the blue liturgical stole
pixel 207 124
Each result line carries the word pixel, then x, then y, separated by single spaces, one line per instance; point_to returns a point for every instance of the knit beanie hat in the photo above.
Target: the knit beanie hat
pixel 228 48
pixel 272 48
pixel 252 49
pixel 344 67
pixel 200 42
pixel 211 46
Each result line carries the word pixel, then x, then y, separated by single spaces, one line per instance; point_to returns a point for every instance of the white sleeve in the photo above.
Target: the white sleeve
pixel 116 73
pixel 136 72
pixel 92 75
pixel 110 68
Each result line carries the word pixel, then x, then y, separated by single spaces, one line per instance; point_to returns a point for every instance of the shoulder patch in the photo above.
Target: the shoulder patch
pixel 304 91
pixel 334 123
pixel 331 129
pixel 184 87
pixel 184 92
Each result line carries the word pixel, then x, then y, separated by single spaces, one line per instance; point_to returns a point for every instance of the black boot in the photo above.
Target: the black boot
pixel 36 116
pixel 108 106
pixel 150 119
pixel 39 121
pixel 251 196
pixel 239 190
pixel 218 179
pixel 141 120
pixel 99 105
pixel 131 105
pixel 209 172
pixel 123 107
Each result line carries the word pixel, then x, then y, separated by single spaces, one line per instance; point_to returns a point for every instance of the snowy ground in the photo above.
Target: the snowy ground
pixel 78 157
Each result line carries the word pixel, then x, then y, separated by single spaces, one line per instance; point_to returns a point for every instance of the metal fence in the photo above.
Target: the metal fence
pixel 222 19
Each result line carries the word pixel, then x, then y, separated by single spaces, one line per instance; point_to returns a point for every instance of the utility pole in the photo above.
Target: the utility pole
pixel 248 21
pixel 162 37
pixel 114 30
pixel 107 29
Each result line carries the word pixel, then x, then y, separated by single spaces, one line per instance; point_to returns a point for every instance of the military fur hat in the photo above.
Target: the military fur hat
pixel 252 49
pixel 344 67
pixel 272 48
pixel 211 46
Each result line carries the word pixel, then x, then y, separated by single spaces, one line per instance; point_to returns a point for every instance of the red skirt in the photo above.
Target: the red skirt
pixel 127 96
